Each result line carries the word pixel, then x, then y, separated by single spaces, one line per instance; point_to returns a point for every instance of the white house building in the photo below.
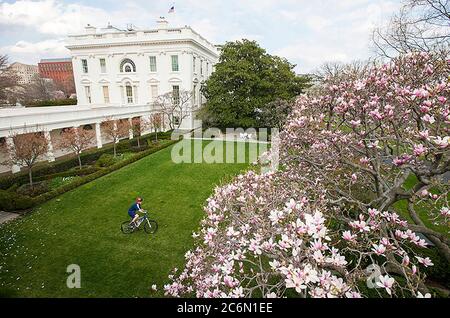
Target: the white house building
pixel 132 67
pixel 118 74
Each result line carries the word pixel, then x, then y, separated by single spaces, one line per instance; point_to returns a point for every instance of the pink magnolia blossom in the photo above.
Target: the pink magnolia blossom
pixel 419 150
pixel 425 261
pixel 420 295
pixel 429 119
pixel 348 236
pixel 386 282
pixel 379 249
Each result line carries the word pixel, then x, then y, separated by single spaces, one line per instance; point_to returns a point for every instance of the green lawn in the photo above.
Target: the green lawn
pixel 83 227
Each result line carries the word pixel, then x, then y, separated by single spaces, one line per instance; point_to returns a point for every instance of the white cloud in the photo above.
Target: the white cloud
pixel 50 16
pixel 28 52
pixel 206 28
pixel 307 33
pixel 337 31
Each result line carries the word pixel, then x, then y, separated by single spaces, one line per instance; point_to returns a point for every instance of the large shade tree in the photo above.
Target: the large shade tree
pixel 361 178
pixel 245 80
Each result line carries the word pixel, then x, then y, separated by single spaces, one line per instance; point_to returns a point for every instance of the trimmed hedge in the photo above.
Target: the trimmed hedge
pixel 70 173
pixel 105 160
pixel 55 102
pixel 10 201
pixel 43 169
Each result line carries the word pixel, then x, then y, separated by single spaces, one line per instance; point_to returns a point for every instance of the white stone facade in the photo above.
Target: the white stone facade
pixel 115 67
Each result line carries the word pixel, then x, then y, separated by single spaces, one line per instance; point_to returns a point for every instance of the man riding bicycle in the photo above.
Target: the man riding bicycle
pixel 136 207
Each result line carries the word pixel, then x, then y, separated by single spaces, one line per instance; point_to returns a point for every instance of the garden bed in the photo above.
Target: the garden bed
pixel 20 196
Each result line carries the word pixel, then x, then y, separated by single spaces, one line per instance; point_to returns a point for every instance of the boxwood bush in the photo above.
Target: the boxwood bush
pixel 11 201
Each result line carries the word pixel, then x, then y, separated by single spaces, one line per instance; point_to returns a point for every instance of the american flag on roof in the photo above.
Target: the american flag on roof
pixel 172 9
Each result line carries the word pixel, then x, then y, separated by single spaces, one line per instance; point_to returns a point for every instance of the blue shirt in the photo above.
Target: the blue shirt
pixel 135 207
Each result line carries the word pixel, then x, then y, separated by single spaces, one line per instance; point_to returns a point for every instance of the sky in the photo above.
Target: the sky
pixel 306 32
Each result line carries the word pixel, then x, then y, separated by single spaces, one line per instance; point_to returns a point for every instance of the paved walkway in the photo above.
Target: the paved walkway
pixel 7 216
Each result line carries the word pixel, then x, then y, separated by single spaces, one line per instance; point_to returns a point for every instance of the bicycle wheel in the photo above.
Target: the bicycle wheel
pixel 151 226
pixel 127 228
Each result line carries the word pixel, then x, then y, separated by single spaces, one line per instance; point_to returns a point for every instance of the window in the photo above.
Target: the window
pixel 106 94
pixel 85 65
pixel 154 91
pixel 207 68
pixel 194 60
pixel 129 91
pixel 201 67
pixel 127 66
pixel 87 90
pixel 152 63
pixel 176 94
pixel 175 66
pixel 176 120
pixel 103 65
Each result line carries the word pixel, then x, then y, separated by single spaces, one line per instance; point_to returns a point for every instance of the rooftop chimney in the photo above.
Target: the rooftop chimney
pixel 162 23
pixel 90 29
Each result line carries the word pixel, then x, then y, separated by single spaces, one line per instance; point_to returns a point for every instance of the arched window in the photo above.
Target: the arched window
pixel 127 66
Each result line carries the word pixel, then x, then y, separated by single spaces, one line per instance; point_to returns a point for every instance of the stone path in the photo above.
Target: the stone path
pixel 7 216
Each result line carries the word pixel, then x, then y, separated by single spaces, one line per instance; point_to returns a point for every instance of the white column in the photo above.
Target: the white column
pixel 10 143
pixel 50 154
pixel 98 135
pixel 130 131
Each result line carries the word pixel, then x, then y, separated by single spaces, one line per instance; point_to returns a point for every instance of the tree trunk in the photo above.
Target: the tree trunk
pixel 139 143
pixel 156 134
pixel 79 160
pixel 30 176
pixel 114 148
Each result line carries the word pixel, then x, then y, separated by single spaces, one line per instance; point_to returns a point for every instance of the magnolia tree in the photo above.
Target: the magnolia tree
pixel 76 140
pixel 327 223
pixel 115 130
pixel 26 150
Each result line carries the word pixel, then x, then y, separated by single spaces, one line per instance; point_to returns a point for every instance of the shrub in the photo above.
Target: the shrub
pixel 34 190
pixel 106 160
pixel 10 201
pixel 56 102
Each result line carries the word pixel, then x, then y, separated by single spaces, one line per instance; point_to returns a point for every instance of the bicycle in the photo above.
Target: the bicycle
pixel 150 226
